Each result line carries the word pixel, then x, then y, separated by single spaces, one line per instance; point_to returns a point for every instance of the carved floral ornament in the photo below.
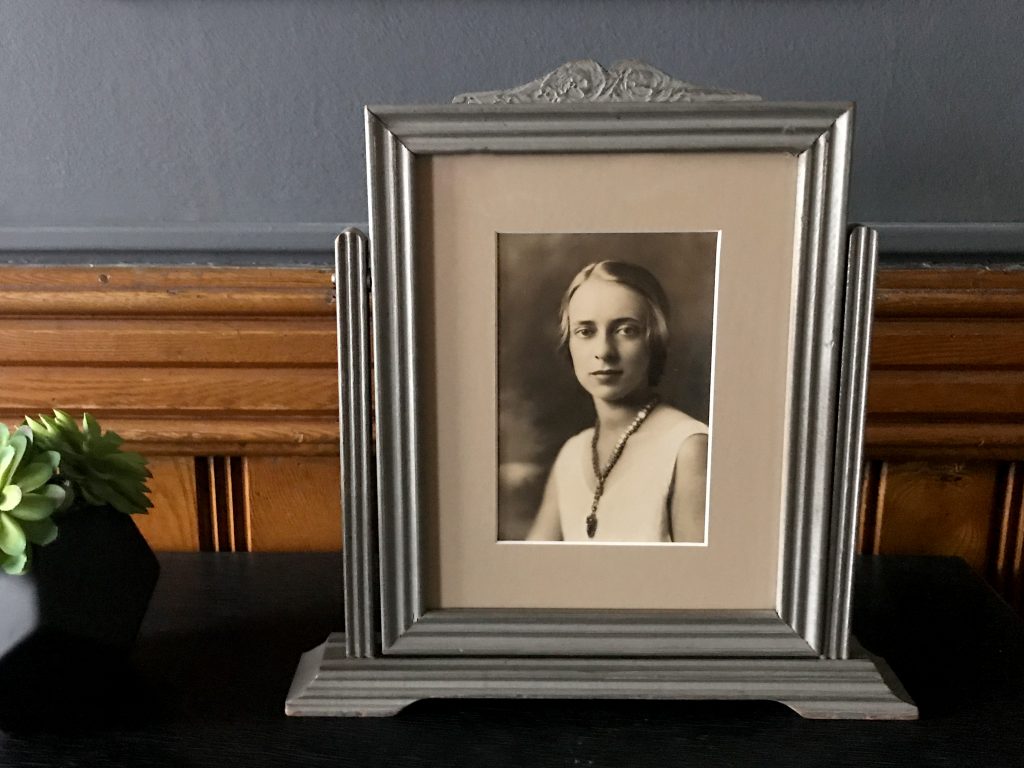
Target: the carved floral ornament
pixel 588 81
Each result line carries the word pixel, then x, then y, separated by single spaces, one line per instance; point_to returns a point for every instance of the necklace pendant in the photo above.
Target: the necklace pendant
pixel 601 475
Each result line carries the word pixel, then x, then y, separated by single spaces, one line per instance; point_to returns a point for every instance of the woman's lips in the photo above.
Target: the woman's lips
pixel 606 375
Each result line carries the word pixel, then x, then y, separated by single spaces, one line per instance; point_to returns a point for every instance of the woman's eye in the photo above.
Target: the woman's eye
pixel 629 331
pixel 584 333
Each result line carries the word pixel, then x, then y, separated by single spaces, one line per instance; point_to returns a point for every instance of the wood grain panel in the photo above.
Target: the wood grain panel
pixel 182 391
pixel 147 291
pixel 870 499
pixel 294 505
pixel 199 368
pixel 949 293
pixel 1007 570
pixel 178 360
pixel 948 344
pixel 913 393
pixel 955 302
pixel 171 524
pixel 183 434
pixel 947 365
pixel 944 441
pixel 168 342
pixel 32 279
pixel 927 508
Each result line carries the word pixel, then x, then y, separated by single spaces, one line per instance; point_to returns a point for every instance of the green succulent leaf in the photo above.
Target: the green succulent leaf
pixel 12 537
pixel 29 495
pixel 34 425
pixel 128 460
pixel 6 464
pixel 10 497
pixel 33 476
pixel 36 506
pixel 126 501
pixel 39 532
pixel 69 498
pixel 56 493
pixel 14 565
pixel 19 442
pixel 63 420
pixel 90 427
pixel 92 463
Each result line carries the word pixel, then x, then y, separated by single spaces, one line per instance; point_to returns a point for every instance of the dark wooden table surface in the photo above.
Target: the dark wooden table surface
pixel 207 683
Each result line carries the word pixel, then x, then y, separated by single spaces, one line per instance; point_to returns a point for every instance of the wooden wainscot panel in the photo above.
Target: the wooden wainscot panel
pixel 226 378
pixel 944 293
pixel 935 508
pixel 189 361
pixel 947 365
pixel 167 342
pixel 199 368
pixel 945 421
pixel 990 343
pixel 1007 568
pixel 177 392
pixel 171 524
pixel 164 291
pixel 287 499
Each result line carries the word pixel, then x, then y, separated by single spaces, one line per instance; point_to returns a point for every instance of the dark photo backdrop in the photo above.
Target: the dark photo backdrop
pixel 540 403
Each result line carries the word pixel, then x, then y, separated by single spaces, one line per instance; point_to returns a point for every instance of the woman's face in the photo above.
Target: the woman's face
pixel 608 340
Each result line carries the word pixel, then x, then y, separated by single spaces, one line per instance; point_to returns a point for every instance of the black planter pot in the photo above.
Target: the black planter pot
pixel 67 627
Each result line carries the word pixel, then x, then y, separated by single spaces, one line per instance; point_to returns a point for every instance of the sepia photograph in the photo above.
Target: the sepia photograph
pixel 605 344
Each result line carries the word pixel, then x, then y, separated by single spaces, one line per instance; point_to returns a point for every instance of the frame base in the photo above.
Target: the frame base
pixel 327 683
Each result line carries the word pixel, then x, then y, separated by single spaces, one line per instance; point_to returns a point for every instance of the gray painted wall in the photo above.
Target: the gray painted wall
pixel 149 112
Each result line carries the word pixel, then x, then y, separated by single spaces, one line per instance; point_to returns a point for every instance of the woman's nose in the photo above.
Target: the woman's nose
pixel 606 348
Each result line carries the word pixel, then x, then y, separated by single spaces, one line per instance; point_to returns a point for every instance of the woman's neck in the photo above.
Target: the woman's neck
pixel 615 417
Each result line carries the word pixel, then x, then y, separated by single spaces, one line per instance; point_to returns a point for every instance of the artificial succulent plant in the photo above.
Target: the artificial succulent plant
pixel 29 495
pixel 92 465
pixel 49 465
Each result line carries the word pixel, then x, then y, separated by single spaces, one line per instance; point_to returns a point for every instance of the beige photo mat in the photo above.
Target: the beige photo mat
pixel 461 203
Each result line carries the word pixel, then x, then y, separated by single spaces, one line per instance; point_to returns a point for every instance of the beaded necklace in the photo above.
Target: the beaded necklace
pixel 602 474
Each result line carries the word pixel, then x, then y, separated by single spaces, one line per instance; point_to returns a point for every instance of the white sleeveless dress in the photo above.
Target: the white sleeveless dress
pixel 638 493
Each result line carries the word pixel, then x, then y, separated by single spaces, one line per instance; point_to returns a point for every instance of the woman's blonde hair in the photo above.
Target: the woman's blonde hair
pixel 644 284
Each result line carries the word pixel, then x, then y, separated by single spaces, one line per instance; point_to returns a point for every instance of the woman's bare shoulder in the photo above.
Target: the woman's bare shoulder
pixel 690 438
pixel 580 438
pixel 670 419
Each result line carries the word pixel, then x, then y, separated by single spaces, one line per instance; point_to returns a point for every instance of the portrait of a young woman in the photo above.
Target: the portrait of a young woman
pixel 635 471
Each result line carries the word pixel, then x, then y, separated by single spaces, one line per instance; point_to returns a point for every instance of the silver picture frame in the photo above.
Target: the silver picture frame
pixel 396 648
pixel 808 619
